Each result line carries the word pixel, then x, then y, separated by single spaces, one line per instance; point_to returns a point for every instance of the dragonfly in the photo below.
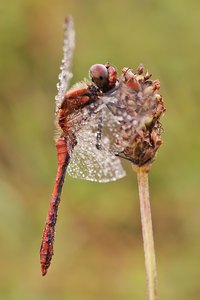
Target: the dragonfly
pixel 98 122
pixel 83 134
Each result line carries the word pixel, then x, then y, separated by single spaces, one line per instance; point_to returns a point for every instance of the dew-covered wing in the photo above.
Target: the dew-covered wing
pixel 93 157
pixel 65 68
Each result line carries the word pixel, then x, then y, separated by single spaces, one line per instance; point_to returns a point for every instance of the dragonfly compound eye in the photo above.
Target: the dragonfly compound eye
pixel 99 75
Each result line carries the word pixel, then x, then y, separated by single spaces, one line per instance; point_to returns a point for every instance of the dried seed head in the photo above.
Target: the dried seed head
pixel 140 108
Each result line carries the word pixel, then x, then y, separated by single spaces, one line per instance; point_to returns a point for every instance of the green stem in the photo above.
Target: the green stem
pixel 147 232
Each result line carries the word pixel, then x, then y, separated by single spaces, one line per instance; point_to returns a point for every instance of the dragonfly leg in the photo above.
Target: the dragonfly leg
pixel 124 157
pixel 46 251
pixel 99 133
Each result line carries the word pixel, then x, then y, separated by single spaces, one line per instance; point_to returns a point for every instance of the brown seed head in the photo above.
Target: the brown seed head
pixel 139 107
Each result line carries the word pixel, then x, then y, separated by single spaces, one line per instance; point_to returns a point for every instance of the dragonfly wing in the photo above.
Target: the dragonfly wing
pixel 68 50
pixel 87 161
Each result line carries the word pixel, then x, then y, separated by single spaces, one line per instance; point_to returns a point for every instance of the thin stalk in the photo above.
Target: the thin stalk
pixel 147 232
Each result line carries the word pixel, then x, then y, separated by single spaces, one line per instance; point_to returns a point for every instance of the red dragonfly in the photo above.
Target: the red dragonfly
pixel 98 122
pixel 84 119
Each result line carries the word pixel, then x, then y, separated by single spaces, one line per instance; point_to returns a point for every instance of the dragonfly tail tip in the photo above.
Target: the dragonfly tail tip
pixel 44 270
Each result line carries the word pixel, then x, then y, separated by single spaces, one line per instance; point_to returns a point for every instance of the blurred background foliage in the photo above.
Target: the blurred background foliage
pixel 98 250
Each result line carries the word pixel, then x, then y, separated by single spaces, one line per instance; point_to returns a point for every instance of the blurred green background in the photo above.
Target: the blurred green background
pixel 98 250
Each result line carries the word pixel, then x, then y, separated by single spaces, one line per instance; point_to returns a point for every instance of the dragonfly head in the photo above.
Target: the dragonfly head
pixel 104 76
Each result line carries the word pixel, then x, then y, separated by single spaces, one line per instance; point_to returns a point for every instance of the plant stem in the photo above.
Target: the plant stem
pixel 147 232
